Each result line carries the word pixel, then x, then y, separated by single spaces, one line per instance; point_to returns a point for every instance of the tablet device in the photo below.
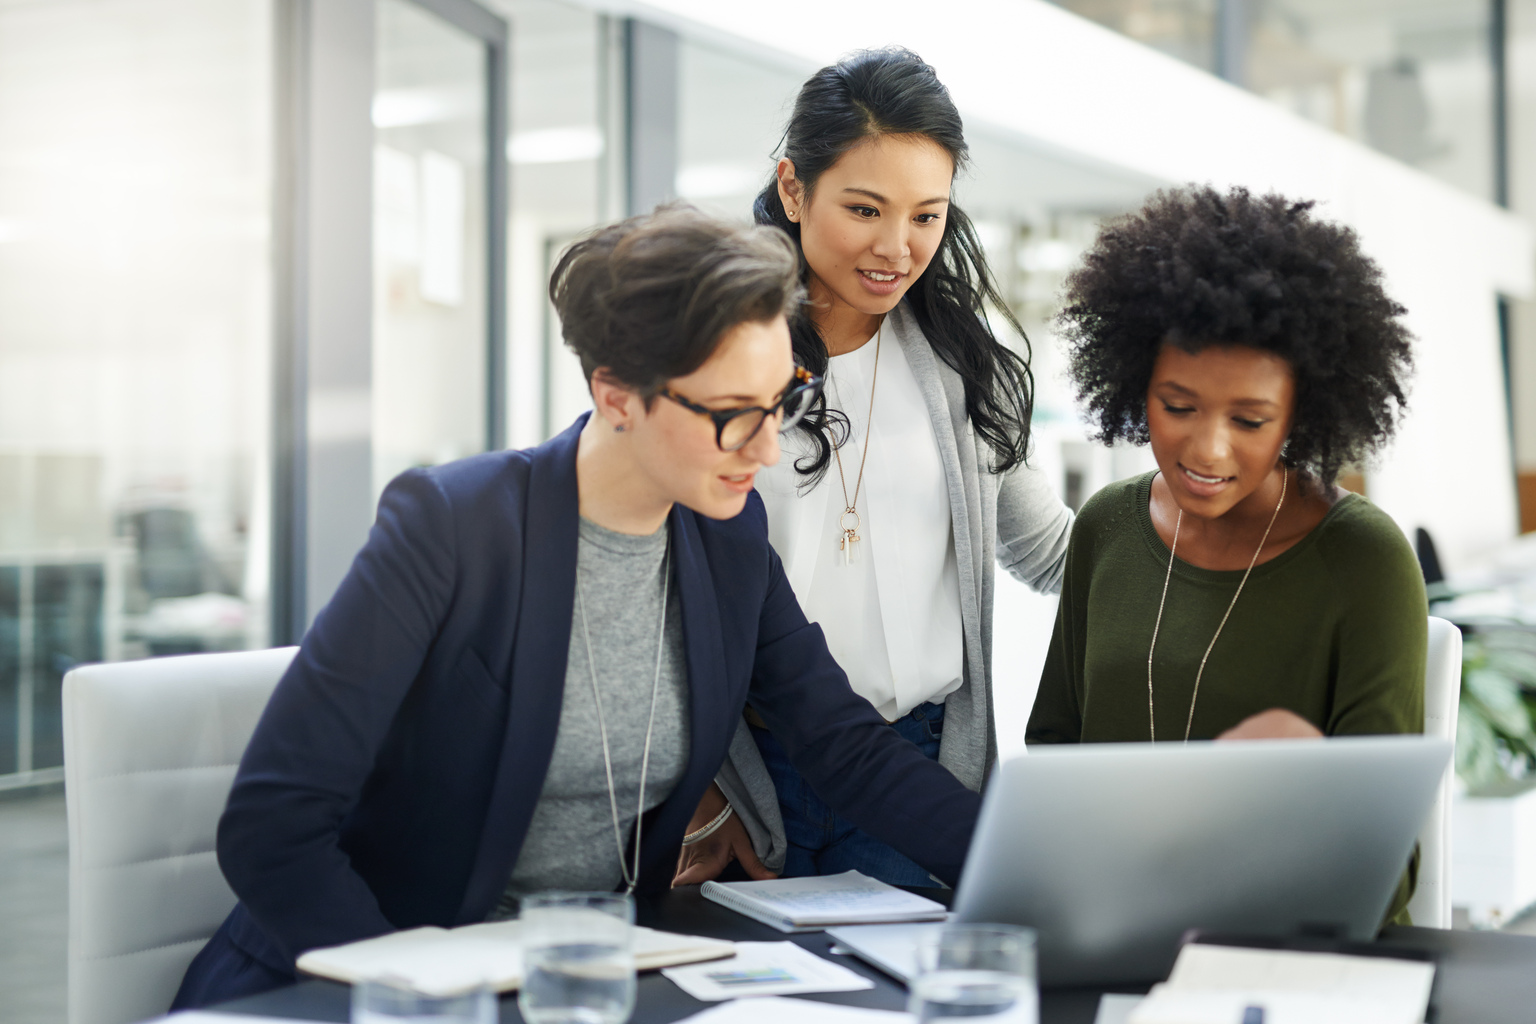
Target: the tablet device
pixel 1112 851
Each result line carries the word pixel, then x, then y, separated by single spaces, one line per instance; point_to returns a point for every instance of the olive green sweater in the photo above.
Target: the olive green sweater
pixel 1334 629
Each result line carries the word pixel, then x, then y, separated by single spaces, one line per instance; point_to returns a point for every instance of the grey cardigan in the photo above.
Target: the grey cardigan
pixel 1015 518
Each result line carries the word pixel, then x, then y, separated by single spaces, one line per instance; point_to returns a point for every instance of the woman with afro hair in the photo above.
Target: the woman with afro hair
pixel 1235 591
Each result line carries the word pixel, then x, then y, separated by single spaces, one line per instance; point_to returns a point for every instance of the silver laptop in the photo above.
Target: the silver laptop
pixel 1112 851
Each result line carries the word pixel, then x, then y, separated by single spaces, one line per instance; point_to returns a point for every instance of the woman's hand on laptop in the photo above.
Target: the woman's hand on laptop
pixel 1274 724
pixel 708 857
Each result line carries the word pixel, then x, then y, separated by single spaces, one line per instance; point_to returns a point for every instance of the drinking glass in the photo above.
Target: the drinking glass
pixel 977 971
pixel 383 1001
pixel 578 961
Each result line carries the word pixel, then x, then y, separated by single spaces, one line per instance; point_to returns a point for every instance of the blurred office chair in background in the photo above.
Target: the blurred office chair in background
pixel 150 750
pixel 1431 903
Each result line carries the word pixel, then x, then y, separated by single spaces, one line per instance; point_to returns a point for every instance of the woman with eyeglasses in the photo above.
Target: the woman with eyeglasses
pixel 536 664
pixel 905 485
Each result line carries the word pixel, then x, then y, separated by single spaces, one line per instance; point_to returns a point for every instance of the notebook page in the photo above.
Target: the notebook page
pixel 443 961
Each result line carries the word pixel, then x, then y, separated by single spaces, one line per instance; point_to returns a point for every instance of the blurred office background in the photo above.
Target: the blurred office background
pixel 258 256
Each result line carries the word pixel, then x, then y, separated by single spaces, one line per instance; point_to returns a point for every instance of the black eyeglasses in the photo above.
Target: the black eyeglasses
pixel 735 427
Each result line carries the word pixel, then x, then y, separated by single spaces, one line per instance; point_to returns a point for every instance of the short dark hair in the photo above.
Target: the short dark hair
pixel 1196 267
pixel 649 298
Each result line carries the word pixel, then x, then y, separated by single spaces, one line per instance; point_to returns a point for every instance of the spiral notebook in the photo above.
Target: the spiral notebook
pixel 812 904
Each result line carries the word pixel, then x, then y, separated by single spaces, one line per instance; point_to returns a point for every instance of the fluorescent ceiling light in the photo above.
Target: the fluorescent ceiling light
pixel 555 145
pixel 709 181
pixel 1047 255
pixel 401 108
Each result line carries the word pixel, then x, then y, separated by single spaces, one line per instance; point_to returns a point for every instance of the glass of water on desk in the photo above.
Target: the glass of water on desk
pixel 979 972
pixel 578 958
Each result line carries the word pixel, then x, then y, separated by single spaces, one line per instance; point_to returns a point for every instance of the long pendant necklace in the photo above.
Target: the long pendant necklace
pixel 1151 710
pixel 630 876
pixel 848 523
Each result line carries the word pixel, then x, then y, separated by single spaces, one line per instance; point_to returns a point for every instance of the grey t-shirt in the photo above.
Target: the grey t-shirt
pixel 570 842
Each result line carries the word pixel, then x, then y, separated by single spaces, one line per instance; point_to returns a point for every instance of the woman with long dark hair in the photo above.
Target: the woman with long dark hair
pixel 907 478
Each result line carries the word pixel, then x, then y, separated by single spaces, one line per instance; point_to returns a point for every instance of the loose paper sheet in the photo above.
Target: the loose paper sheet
pixel 773 1010
pixel 207 1017
pixel 765 969
pixel 1115 1008
pixel 1211 983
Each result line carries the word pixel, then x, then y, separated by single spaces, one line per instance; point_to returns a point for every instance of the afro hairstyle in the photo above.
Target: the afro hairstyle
pixel 1194 268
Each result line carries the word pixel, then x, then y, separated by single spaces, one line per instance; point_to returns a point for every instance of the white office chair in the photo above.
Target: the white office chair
pixel 150 749
pixel 1431 903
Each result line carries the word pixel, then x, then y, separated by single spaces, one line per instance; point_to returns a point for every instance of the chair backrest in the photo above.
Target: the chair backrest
pixel 150 750
pixel 1431 903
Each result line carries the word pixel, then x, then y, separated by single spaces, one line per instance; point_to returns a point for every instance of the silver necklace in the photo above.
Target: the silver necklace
pixel 1151 715
pixel 631 877
pixel 850 538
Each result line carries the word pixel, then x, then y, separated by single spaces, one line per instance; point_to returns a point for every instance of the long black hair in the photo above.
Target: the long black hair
pixel 892 92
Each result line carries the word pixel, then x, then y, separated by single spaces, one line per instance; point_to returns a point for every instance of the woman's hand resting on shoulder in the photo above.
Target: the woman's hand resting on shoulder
pixel 1274 724
pixel 708 857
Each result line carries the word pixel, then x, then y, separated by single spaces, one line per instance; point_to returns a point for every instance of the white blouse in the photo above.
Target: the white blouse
pixel 892 618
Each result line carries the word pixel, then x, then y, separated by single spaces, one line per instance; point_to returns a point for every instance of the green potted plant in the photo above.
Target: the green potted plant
pixel 1495 735
pixel 1494 819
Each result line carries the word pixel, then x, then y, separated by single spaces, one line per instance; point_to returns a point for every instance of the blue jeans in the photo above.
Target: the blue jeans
pixel 822 842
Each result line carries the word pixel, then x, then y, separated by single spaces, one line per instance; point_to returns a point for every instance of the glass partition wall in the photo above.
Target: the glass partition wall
pixel 1412 78
pixel 134 344
pixel 564 151
pixel 430 243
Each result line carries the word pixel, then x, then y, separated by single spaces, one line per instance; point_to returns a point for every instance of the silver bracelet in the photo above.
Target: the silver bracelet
pixel 708 830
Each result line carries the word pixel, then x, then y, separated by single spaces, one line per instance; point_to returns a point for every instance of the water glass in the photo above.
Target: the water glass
pixel 382 1001
pixel 578 960
pixel 977 971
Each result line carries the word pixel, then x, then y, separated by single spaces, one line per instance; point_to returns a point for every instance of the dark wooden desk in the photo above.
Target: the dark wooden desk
pixel 1482 976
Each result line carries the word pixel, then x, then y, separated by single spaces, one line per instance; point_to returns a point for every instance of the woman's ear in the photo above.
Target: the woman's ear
pixel 790 189
pixel 611 400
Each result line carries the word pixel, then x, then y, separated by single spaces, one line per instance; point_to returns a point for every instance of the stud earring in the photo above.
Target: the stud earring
pixel 619 428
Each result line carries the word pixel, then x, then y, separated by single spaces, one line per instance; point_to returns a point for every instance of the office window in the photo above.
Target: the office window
pixel 430 242
pixel 1185 29
pixel 1411 78
pixel 134 342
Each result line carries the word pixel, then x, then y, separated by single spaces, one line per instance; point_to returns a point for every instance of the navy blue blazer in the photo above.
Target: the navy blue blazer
pixel 392 778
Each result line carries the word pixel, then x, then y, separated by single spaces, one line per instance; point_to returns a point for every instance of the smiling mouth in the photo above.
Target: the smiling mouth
pixel 883 277
pixel 1201 478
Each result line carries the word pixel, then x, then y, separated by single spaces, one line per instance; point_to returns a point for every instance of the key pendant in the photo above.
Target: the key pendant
pixel 850 542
